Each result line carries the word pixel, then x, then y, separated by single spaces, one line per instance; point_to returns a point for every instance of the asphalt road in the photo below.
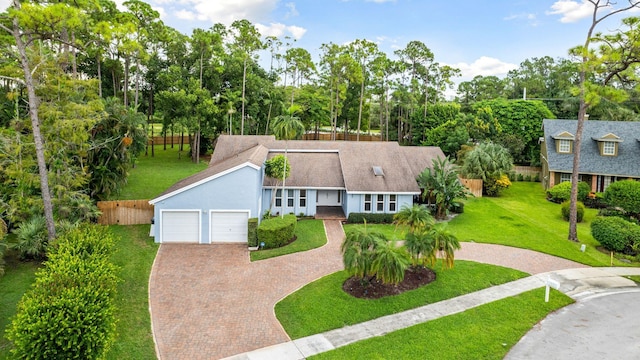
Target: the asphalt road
pixel 603 326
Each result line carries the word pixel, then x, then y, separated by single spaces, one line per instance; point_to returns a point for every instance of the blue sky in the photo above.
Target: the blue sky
pixel 478 37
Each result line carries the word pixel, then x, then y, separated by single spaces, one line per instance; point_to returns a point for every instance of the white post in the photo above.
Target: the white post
pixel 550 283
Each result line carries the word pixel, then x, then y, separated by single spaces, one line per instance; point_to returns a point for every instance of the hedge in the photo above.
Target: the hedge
pixel 68 313
pixel 277 231
pixel 371 218
pixel 562 192
pixel 252 232
pixel 616 234
pixel 566 209
pixel 624 194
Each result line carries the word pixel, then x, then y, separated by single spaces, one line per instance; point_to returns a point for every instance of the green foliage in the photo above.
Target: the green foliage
pixel 425 245
pixel 74 295
pixel 3 244
pixel 309 234
pixel 615 234
pixel 252 232
pixel 275 167
pixel 31 238
pixel 489 162
pixel 370 218
pixel 624 194
pixel 566 208
pixel 369 255
pixel 277 231
pixel 416 218
pixel 441 185
pixel 562 192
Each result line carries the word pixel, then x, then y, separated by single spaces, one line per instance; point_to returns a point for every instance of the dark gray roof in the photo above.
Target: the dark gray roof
pixel 627 163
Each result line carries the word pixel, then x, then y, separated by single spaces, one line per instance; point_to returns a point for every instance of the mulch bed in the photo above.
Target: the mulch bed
pixel 414 278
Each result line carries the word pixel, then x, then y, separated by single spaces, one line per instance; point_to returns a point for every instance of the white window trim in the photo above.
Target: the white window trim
pixel 278 198
pixel 564 146
pixel 380 202
pixel 394 202
pixel 563 177
pixel 370 202
pixel 302 196
pixel 608 148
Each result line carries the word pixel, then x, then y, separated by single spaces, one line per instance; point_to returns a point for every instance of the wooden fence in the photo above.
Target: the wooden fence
pixel 340 136
pixel 160 140
pixel 531 171
pixel 125 212
pixel 473 185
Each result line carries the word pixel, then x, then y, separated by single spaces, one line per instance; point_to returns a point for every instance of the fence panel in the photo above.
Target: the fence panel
pixel 531 171
pixel 125 212
pixel 473 185
pixel 340 136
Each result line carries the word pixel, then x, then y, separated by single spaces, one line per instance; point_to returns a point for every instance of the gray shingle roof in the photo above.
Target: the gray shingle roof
pixel 325 164
pixel 627 163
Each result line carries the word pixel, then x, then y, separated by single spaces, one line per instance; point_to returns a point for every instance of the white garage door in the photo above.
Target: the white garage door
pixel 180 226
pixel 229 226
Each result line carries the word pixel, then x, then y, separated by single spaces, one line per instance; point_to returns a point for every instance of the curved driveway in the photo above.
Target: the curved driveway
pixel 210 301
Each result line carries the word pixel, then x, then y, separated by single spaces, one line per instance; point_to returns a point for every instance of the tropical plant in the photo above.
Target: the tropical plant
pixel 368 255
pixel 3 245
pixel 489 162
pixel 441 184
pixel 426 246
pixel 416 218
pixel 31 238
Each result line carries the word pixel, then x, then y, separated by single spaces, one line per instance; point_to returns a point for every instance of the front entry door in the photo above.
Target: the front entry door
pixel 328 198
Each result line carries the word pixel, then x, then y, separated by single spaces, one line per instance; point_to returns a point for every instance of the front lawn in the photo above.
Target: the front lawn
pixel 134 255
pixel 485 332
pixel 153 175
pixel 322 305
pixel 310 235
pixel 522 217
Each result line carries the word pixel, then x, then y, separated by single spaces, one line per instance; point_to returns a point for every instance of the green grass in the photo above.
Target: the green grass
pixel 153 175
pixel 322 305
pixel 17 279
pixel 310 235
pixel 485 332
pixel 521 217
pixel 134 255
pixel 135 252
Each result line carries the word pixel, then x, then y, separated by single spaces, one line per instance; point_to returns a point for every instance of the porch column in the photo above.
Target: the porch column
pixel 594 183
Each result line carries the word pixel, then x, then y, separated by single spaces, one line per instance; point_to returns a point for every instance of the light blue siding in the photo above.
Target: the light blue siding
pixel 238 190
pixel 355 203
pixel 309 209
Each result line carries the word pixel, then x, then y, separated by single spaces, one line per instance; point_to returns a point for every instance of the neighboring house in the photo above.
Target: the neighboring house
pixel 610 151
pixel 215 204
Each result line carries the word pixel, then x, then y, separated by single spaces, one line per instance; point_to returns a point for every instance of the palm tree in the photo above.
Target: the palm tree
pixel 442 185
pixel 444 243
pixel 489 162
pixel 425 246
pixel 370 255
pixel 416 217
pixel 287 127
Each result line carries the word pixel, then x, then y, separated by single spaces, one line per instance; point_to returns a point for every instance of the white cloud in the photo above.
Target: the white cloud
pixel 292 10
pixel 4 4
pixel 185 15
pixel 226 11
pixel 161 11
pixel 279 30
pixel 530 18
pixel 570 10
pixel 485 66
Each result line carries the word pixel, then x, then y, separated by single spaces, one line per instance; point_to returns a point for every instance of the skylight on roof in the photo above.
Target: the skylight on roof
pixel 377 171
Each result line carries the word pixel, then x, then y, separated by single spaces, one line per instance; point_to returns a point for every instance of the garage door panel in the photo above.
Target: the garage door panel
pixel 180 226
pixel 229 226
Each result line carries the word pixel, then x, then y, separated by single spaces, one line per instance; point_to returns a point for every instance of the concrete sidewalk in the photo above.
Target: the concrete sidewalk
pixel 577 283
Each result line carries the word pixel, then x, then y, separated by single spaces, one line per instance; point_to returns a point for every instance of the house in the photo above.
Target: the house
pixel 215 204
pixel 609 151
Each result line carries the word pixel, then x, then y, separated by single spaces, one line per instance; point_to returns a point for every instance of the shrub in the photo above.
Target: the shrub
pixel 73 294
pixel 562 192
pixel 614 233
pixel 3 245
pixel 566 207
pixel 277 231
pixel 32 238
pixel 252 232
pixel 624 194
pixel 493 187
pixel 595 201
pixel 457 207
pixel 370 218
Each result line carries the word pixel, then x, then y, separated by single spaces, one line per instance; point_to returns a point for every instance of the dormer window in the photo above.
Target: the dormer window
pixel 564 146
pixel 608 144
pixel 564 142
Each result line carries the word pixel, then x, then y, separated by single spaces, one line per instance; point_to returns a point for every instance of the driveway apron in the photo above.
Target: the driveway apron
pixel 210 301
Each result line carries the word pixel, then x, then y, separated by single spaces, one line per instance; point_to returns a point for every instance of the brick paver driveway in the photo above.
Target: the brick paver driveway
pixel 210 301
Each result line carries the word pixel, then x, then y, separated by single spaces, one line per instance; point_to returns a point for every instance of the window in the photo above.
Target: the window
pixel 564 146
pixel 380 203
pixel 392 203
pixel 367 202
pixel 303 198
pixel 279 197
pixel 608 148
pixel 564 177
pixel 290 198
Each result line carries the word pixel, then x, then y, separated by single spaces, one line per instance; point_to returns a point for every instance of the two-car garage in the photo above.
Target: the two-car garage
pixel 184 226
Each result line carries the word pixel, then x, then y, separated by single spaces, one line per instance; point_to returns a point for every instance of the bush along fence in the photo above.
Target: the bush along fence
pixel 125 212
pixel 68 313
